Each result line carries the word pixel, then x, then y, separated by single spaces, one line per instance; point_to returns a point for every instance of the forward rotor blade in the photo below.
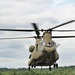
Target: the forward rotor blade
pixel 17 38
pixel 64 30
pixel 63 36
pixel 21 30
pixel 63 24
pixel 36 29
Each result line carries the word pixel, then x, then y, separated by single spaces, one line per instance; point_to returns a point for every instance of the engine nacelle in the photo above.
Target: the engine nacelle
pixel 31 48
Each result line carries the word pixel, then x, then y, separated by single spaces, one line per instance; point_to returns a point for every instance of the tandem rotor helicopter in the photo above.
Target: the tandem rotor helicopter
pixel 43 53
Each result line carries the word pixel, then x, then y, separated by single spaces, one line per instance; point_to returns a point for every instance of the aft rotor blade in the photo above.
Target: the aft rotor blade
pixel 64 30
pixel 17 38
pixel 36 29
pixel 63 24
pixel 63 36
pixel 21 30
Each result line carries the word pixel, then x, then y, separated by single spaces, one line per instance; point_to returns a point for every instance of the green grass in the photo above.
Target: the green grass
pixel 60 71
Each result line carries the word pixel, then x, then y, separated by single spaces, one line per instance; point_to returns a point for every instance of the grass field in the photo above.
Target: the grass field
pixel 60 71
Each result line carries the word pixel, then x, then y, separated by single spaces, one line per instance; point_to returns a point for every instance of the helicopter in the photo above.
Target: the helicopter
pixel 44 52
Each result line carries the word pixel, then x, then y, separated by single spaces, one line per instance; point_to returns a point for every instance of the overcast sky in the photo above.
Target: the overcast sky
pixel 18 14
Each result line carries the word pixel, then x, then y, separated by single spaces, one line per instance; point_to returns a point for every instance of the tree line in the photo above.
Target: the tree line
pixel 24 71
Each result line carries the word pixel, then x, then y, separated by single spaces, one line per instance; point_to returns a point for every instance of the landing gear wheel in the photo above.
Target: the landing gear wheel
pixel 29 68
pixel 56 65
pixel 49 68
pixel 34 66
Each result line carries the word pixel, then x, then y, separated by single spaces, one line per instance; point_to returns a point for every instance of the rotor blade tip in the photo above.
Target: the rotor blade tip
pixel 73 20
pixel 33 23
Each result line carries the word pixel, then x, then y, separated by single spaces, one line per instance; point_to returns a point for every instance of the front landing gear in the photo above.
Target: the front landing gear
pixel 49 68
pixel 29 68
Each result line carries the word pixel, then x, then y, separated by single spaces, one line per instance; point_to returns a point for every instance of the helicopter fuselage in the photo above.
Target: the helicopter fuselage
pixel 44 55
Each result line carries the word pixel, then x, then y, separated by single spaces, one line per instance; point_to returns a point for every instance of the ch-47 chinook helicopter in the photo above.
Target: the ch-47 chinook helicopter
pixel 44 52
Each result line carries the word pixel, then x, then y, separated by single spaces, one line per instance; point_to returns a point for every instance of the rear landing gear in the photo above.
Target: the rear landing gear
pixel 55 65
